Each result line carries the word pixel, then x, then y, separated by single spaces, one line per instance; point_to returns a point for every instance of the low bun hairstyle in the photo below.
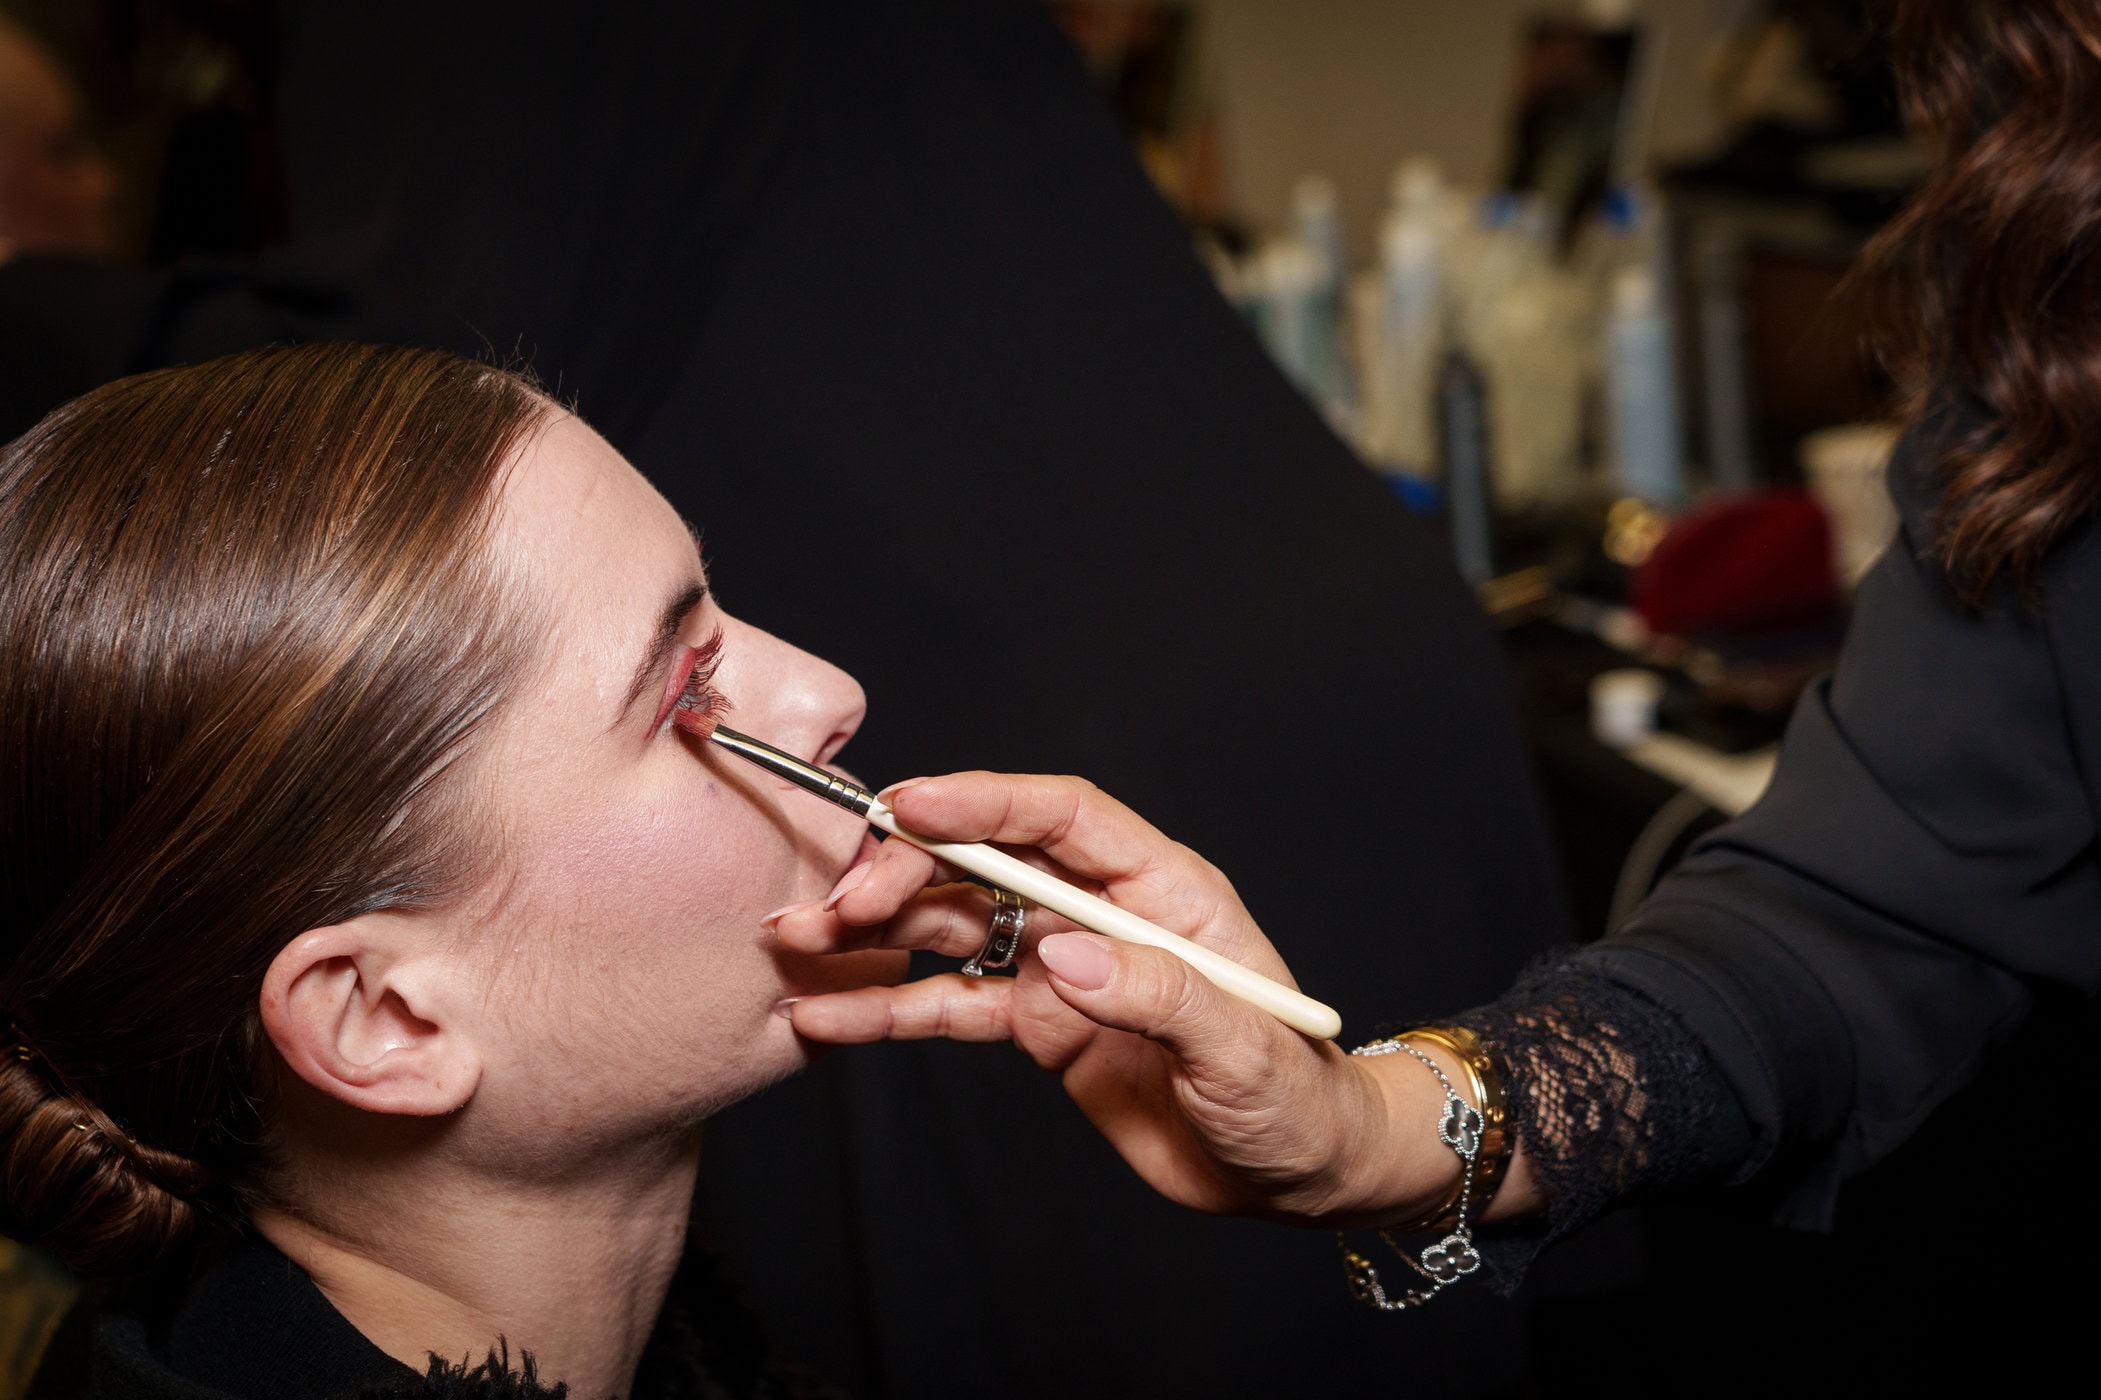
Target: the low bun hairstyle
pixel 247 623
pixel 76 1184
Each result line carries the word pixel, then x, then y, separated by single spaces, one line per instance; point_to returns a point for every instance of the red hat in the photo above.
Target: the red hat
pixel 1740 564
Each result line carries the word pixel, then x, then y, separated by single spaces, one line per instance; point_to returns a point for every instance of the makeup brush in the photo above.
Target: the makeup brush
pixel 1294 1009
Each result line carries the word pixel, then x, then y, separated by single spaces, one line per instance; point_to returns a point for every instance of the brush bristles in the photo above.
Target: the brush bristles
pixel 699 723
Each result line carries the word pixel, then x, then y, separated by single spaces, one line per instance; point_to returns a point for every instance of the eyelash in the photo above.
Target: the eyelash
pixel 700 695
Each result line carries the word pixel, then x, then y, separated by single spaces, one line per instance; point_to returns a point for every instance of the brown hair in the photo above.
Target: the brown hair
pixel 245 622
pixel 1988 280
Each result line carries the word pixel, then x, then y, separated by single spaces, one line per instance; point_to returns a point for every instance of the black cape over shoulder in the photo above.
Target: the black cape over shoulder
pixel 248 1324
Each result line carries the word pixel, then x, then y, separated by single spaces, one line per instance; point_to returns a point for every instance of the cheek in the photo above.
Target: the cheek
pixel 631 953
pixel 674 869
pixel 643 914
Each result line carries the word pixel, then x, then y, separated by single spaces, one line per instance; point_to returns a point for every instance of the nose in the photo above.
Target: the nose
pixel 784 695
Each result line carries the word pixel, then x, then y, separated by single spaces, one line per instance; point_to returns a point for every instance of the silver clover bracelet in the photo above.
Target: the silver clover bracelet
pixel 1453 1257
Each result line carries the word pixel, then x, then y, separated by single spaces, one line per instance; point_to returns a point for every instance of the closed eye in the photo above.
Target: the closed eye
pixel 697 695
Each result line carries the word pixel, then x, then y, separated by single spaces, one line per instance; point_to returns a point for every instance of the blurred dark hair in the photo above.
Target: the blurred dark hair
pixel 246 624
pixel 1987 282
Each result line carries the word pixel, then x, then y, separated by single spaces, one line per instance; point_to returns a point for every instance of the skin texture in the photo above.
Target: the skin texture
pixel 55 189
pixel 1216 1105
pixel 489 1114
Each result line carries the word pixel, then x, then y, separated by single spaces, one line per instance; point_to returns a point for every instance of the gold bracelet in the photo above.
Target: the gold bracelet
pixel 1452 1258
pixel 1485 1077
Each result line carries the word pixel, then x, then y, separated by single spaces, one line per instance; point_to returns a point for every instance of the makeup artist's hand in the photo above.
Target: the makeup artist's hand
pixel 1217 1105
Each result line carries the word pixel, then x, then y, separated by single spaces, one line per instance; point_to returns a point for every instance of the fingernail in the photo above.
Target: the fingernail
pixel 771 920
pixel 785 1008
pixel 846 883
pixel 1084 962
pixel 895 788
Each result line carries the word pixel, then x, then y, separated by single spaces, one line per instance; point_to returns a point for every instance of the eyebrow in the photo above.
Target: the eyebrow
pixel 661 644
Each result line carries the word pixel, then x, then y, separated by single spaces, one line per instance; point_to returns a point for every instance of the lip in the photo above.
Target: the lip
pixel 870 843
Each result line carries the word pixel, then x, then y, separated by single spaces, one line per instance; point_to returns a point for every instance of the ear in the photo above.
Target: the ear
pixel 357 1010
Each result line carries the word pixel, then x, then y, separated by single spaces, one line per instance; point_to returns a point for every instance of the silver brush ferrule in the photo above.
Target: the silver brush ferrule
pixel 807 776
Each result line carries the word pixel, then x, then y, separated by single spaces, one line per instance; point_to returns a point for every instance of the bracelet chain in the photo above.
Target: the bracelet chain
pixel 1452 1258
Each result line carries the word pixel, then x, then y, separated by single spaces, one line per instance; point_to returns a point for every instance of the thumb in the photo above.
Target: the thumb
pixel 1129 987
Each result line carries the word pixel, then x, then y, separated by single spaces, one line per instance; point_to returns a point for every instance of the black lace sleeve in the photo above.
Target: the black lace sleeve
pixel 1612 1099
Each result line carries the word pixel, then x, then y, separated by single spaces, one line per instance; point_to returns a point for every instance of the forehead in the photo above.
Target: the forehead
pixel 583 530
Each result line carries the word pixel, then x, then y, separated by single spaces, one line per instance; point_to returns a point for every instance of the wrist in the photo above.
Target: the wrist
pixel 1481 1089
pixel 1471 1125
pixel 1470 1119
pixel 1399 1169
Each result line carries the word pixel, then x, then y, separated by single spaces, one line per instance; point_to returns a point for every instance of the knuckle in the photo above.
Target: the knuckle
pixel 1070 808
pixel 1180 995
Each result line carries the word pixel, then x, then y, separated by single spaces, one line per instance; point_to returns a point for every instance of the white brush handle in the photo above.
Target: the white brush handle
pixel 1294 1009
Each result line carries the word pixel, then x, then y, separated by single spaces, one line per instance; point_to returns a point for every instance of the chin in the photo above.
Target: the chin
pixel 769 1054
pixel 783 1053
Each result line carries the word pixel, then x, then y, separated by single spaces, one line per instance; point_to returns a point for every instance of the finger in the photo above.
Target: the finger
pixel 1082 828
pixel 878 887
pixel 1223 1042
pixel 953 920
pixel 950 1007
pixel 1059 815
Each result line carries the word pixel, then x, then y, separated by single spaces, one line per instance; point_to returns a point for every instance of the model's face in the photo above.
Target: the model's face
pixel 629 984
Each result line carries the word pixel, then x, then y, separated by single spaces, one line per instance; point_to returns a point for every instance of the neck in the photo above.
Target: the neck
pixel 574 1273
